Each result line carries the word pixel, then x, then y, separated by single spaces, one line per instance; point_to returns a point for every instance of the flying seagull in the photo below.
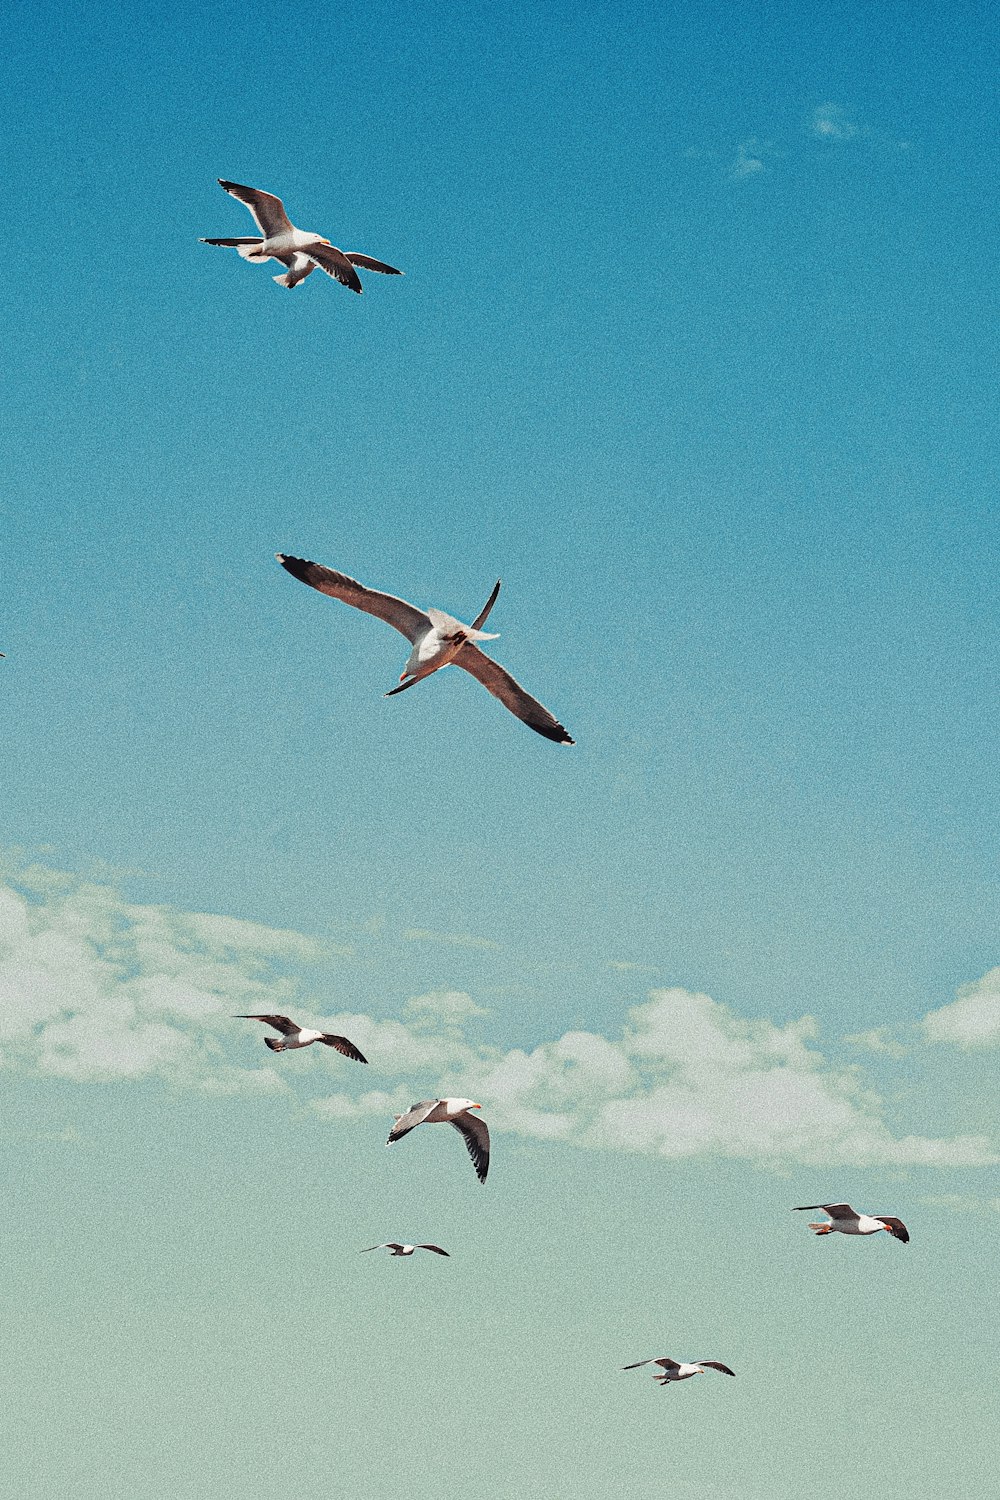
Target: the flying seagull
pixel 844 1220
pixel 673 1371
pixel 303 1036
pixel 449 1112
pixel 394 1248
pixel 437 639
pixel 297 249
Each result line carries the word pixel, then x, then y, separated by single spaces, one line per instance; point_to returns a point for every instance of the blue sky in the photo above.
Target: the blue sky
pixel 696 350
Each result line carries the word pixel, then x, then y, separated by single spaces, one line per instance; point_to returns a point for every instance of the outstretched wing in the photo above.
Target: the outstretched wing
pixel 666 1364
pixel 368 264
pixel 896 1227
pixel 343 1046
pixel 835 1210
pixel 436 1248
pixel 713 1364
pixel 498 681
pixel 415 1115
pixel 389 1245
pixel 335 263
pixel 280 1023
pixel 405 618
pixel 477 1140
pixel 268 211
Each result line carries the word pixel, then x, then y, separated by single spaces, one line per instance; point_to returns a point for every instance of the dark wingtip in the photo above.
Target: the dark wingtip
pixel 557 734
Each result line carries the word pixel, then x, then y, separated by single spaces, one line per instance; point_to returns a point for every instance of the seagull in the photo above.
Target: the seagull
pixel 673 1371
pixel 297 249
pixel 449 1112
pixel 303 1036
pixel 394 1248
pixel 438 640
pixel 844 1220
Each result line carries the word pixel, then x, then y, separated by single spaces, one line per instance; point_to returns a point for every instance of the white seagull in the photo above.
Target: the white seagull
pixel 673 1371
pixel 845 1220
pixel 395 1248
pixel 303 1036
pixel 449 1112
pixel 298 250
pixel 438 640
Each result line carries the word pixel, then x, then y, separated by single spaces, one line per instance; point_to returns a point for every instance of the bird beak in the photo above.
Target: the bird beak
pixel 477 1106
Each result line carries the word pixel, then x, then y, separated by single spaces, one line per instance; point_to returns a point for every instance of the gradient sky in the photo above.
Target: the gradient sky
pixel 696 349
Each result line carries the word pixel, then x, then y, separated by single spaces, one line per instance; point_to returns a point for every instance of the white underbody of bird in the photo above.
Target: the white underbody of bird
pixel 436 640
pixel 294 1036
pixel 845 1220
pixel 672 1370
pixel 298 250
pixel 455 1112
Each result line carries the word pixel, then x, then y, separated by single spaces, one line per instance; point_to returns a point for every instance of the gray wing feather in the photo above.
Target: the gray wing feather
pixel 436 1248
pixel 835 1210
pixel 498 681
pixel 343 1046
pixel 335 263
pixel 268 211
pixel 368 264
pixel 477 1140
pixel 405 618
pixel 667 1364
pixel 415 1115
pixel 713 1364
pixel 280 1023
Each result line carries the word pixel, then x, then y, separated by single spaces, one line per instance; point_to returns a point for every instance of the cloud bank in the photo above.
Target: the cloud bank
pixel 973 1020
pixel 96 988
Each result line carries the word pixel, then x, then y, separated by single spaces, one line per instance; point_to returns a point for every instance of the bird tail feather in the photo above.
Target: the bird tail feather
pixel 274 1044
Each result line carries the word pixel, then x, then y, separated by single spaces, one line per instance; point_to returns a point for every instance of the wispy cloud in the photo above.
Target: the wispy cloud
pixel 94 987
pixel 830 122
pixel 749 159
pixel 452 939
pixel 973 1020
pixel 879 1040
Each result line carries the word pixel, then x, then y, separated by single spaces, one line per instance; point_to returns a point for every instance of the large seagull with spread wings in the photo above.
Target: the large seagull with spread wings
pixel 455 1112
pixel 299 250
pixel 437 640
pixel 846 1220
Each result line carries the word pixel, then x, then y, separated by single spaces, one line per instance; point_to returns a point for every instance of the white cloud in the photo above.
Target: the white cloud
pixel 748 161
pixel 93 987
pixel 830 122
pixel 973 1020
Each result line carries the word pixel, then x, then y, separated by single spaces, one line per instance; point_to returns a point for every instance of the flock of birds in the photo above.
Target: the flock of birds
pixel 437 640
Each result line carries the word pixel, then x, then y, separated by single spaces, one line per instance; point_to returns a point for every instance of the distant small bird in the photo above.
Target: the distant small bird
pixel 394 1248
pixel 438 640
pixel 303 1036
pixel 844 1220
pixel 673 1371
pixel 449 1112
pixel 297 249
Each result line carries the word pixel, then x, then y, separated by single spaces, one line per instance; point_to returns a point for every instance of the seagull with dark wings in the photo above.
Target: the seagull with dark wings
pixel 449 1112
pixel 303 1036
pixel 299 250
pixel 437 640
pixel 395 1248
pixel 672 1371
pixel 845 1220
